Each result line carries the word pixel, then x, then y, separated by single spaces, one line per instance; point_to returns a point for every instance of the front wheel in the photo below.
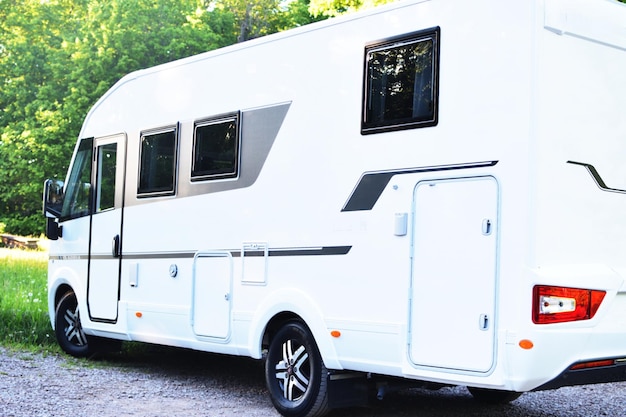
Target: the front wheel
pixel 68 329
pixel 295 374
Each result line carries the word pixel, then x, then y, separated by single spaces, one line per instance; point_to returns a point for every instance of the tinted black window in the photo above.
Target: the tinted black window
pixel 106 177
pixel 77 201
pixel 216 149
pixel 157 171
pixel 401 77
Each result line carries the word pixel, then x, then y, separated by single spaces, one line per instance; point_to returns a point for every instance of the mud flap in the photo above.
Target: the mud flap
pixel 347 390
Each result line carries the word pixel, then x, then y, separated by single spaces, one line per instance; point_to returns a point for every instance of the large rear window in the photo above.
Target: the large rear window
pixel 401 83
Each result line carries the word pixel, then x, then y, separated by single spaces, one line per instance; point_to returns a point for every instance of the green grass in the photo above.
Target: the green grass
pixel 24 321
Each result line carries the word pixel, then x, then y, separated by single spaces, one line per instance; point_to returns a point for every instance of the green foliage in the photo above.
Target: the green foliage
pixel 253 19
pixel 299 14
pixel 57 57
pixel 23 299
pixel 337 7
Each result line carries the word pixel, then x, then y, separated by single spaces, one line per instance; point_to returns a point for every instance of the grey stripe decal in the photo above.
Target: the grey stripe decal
pixel 597 178
pixel 372 184
pixel 319 251
pixel 259 129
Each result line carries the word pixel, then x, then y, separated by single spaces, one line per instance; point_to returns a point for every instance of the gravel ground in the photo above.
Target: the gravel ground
pixel 154 381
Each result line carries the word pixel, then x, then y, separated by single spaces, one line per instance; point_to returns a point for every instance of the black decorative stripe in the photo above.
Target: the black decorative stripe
pixel 325 251
pixel 158 255
pixel 597 178
pixel 319 251
pixel 372 184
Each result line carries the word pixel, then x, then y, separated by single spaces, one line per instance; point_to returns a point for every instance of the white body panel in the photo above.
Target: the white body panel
pixel 524 87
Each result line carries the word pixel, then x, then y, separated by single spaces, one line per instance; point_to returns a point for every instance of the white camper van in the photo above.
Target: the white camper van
pixel 433 190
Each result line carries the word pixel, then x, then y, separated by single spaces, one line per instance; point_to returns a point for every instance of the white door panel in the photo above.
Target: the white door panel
pixel 454 274
pixel 212 293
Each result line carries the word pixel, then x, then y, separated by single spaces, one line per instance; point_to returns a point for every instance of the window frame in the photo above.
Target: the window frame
pixel 152 132
pixel 368 127
pixel 234 116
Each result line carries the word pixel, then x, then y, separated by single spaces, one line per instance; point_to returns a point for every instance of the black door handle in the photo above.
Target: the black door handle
pixel 116 247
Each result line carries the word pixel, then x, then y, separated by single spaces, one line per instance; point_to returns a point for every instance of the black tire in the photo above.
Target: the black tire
pixel 492 396
pixel 68 329
pixel 295 374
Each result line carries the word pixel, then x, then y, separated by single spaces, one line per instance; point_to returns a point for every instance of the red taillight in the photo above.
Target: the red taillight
pixel 561 304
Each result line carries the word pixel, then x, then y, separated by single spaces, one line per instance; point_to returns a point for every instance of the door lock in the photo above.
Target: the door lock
pixel 487 227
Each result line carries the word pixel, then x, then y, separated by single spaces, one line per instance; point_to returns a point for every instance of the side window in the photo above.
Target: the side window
pixel 216 148
pixel 77 200
pixel 157 167
pixel 105 177
pixel 401 83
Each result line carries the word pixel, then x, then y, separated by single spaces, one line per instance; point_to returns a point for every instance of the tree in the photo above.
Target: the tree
pixel 56 58
pixel 253 19
pixel 31 37
pixel 336 7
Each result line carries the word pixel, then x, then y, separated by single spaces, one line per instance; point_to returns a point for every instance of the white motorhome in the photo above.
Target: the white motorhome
pixel 432 190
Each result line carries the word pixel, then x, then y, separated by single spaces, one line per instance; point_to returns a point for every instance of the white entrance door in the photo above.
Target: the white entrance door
pixel 454 270
pixel 106 228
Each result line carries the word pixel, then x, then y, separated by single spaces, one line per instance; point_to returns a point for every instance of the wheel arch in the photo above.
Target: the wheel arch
pixel 55 297
pixel 275 324
pixel 275 312
pixel 61 291
pixel 65 280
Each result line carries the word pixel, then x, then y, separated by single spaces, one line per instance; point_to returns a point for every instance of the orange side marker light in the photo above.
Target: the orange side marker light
pixel 139 314
pixel 335 333
pixel 526 344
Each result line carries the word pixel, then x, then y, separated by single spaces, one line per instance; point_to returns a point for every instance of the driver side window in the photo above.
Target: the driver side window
pixel 78 201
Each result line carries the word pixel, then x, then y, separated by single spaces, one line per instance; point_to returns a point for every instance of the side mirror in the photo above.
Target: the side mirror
pixel 52 198
pixel 52 205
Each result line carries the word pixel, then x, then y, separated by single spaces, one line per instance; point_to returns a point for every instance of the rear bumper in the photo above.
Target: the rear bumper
pixel 593 375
